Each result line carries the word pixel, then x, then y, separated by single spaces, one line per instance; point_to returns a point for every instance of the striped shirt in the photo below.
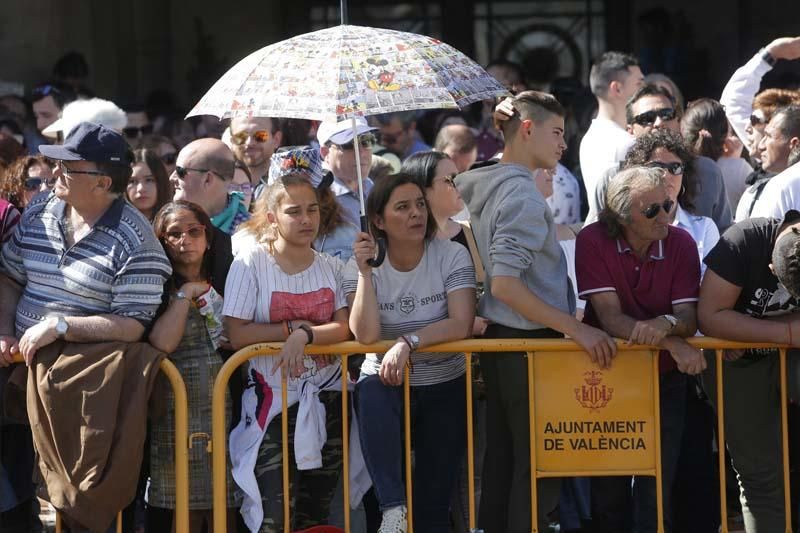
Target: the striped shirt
pixel 118 268
pixel 409 301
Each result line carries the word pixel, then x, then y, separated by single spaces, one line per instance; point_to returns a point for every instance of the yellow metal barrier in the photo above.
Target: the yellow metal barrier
pixel 181 451
pixel 531 347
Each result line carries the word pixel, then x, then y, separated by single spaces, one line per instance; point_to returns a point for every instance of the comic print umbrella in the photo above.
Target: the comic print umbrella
pixel 348 71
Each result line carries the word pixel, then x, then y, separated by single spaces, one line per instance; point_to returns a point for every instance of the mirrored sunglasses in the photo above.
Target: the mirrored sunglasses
pixel 260 136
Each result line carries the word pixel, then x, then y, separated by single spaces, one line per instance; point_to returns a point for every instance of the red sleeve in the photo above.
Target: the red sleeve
pixel 591 267
pixel 685 286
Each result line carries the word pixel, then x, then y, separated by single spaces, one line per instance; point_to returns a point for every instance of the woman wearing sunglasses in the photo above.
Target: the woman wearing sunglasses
pixel 26 177
pixel 148 187
pixel 189 329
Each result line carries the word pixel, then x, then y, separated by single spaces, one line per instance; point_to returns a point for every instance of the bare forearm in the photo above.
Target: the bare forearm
pixel 516 295
pixel 364 315
pixel 735 326
pixel 10 293
pixel 101 328
pixel 242 335
pixel 168 330
pixel 449 329
pixel 331 333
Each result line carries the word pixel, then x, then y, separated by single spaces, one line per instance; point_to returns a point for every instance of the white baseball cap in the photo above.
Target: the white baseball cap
pixel 341 132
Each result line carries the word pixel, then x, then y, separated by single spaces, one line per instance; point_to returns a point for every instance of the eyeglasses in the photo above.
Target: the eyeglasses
pixel 450 180
pixel 169 159
pixel 648 118
pixel 676 169
pixel 651 211
pixel 260 136
pixel 147 129
pixel 366 141
pixel 245 188
pixel 193 232
pixel 68 172
pixel 182 171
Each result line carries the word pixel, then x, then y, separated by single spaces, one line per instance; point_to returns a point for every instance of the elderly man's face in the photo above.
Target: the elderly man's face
pixel 643 228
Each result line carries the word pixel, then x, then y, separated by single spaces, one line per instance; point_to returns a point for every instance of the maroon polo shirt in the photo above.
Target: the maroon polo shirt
pixel 669 275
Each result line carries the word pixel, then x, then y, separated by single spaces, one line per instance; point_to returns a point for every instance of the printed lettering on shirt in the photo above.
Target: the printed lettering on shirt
pixel 768 303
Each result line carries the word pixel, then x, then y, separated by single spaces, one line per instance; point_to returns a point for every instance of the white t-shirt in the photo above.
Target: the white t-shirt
pixel 258 290
pixel 780 194
pixel 409 301
pixel 605 145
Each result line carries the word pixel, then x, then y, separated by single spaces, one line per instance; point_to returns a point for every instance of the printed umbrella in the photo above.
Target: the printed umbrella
pixel 348 71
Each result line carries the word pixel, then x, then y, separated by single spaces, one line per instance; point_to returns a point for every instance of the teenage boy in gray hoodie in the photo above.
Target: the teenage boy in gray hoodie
pixel 527 295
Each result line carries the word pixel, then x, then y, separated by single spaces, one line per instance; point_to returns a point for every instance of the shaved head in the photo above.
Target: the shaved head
pixel 210 153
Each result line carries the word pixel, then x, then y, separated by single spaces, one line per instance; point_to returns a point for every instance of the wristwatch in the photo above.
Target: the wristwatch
pixel 672 321
pixel 180 295
pixel 768 58
pixel 413 342
pixel 61 327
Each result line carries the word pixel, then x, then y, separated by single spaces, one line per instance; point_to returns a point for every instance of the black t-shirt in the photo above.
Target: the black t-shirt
pixel 742 257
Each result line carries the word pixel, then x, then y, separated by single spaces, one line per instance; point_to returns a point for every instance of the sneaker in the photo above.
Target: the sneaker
pixel 394 520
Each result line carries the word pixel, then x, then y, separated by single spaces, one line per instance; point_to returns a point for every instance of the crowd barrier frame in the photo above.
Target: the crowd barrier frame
pixel 182 446
pixel 528 346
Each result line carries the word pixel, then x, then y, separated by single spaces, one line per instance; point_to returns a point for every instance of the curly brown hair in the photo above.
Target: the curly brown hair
pixel 12 178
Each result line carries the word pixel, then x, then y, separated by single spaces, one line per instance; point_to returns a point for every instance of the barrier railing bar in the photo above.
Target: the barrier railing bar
pixel 407 425
pixel 470 444
pixel 345 444
pixel 287 518
pixel 476 346
pixel 597 473
pixel 654 357
pixel 785 442
pixel 721 447
pixel 532 440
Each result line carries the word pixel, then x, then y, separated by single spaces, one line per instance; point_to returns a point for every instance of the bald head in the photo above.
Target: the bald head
pixel 458 141
pixel 211 154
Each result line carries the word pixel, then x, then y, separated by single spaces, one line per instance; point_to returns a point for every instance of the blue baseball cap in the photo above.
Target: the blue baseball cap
pixel 91 142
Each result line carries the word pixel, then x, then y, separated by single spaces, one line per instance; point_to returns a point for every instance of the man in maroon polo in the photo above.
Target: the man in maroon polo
pixel 640 277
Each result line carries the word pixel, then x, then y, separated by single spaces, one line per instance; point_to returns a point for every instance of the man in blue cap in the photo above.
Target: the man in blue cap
pixel 83 264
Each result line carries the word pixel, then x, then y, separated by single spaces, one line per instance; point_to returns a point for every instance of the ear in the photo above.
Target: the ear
pixel 772 269
pixel 629 129
pixel 278 136
pixel 271 218
pixel 794 142
pixel 323 150
pixel 378 221
pixel 104 184
pixel 614 88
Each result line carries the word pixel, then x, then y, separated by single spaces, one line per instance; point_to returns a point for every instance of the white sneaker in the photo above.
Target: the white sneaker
pixel 394 520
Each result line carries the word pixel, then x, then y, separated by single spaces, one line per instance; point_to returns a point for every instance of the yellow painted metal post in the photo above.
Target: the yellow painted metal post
pixel 345 447
pixel 531 431
pixel 470 445
pixel 287 518
pixel 181 443
pixel 787 500
pixel 119 522
pixel 407 424
pixel 654 356
pixel 723 500
pixel 58 522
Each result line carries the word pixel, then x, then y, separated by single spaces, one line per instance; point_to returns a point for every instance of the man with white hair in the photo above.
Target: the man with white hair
pixel 95 110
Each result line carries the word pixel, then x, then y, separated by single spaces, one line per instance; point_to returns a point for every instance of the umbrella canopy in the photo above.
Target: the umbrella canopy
pixel 348 71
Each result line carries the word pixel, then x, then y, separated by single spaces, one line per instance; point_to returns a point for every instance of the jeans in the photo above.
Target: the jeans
pixel 438 439
pixel 506 488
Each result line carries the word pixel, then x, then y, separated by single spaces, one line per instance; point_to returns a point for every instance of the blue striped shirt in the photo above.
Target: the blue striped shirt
pixel 118 268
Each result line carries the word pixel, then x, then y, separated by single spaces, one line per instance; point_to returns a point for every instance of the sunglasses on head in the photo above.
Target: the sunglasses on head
pixel 676 169
pixel 194 232
pixel 651 211
pixel 45 90
pixel 147 129
pixel 169 159
pixel 183 171
pixel 757 119
pixel 366 141
pixel 260 136
pixel 648 118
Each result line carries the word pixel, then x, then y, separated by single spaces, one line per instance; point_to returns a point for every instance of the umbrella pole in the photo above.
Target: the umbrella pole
pixel 357 150
pixel 343 11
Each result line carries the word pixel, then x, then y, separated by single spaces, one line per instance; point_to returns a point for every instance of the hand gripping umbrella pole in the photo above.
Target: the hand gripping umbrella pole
pixel 381 243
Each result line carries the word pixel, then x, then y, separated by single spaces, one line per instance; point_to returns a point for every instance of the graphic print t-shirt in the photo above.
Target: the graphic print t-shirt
pixel 409 301
pixel 258 290
pixel 742 257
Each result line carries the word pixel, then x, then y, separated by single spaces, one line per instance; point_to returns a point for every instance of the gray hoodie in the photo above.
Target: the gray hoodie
pixel 516 236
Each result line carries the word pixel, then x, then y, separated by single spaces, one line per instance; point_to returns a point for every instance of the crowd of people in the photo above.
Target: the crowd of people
pixel 132 236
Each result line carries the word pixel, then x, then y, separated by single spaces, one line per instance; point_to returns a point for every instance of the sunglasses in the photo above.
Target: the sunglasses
pixel 183 171
pixel 676 169
pixel 68 172
pixel 260 136
pixel 450 180
pixel 147 129
pixel 756 119
pixel 169 159
pixel 34 184
pixel 648 118
pixel 194 232
pixel 652 210
pixel 365 141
